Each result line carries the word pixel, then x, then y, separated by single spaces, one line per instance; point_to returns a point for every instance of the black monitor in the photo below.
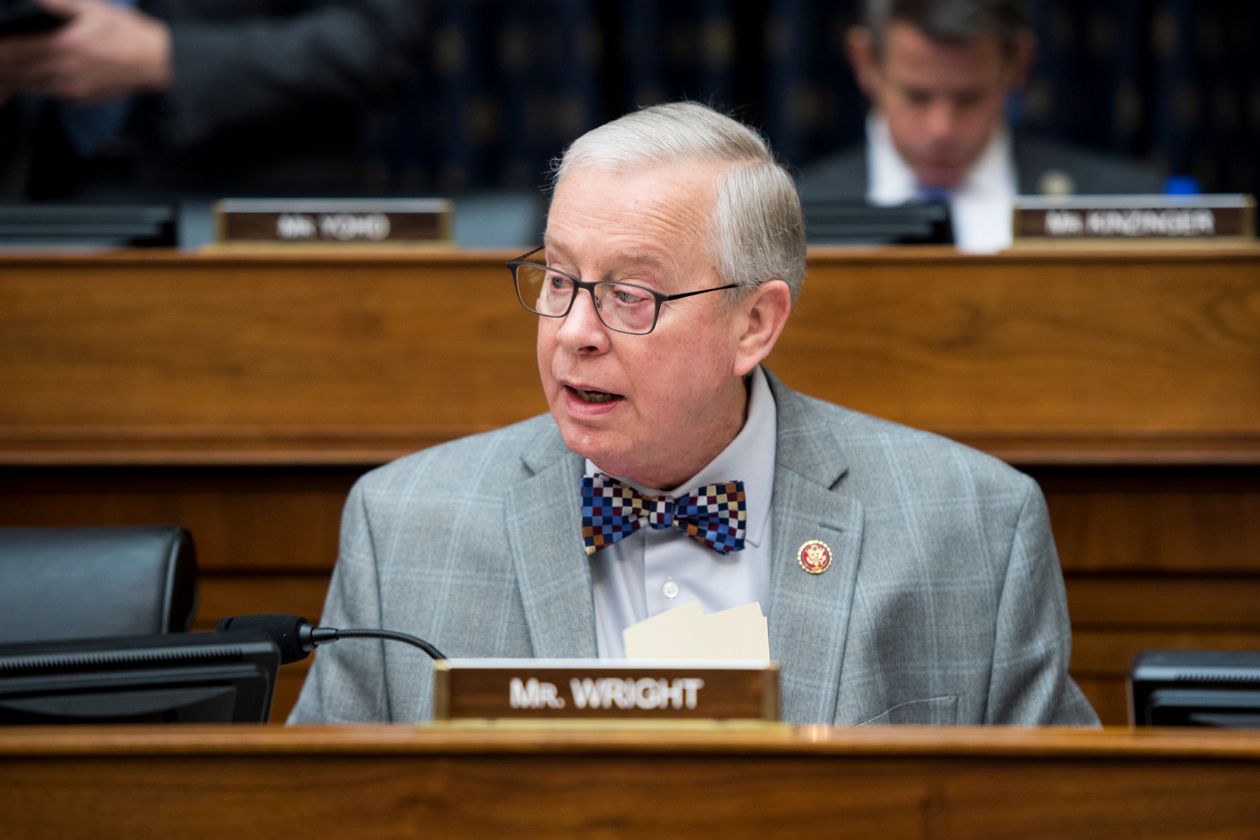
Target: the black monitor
pixel 173 678
pixel 859 223
pixel 1195 688
pixel 42 226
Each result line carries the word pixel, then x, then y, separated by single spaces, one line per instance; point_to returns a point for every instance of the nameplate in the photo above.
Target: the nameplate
pixel 384 221
pixel 566 689
pixel 1215 219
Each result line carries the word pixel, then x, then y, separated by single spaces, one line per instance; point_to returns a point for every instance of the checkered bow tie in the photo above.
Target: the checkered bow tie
pixel 713 515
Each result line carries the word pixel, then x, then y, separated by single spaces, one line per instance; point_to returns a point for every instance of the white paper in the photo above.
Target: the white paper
pixel 685 632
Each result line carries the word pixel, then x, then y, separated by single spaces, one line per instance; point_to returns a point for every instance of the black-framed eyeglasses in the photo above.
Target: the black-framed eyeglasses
pixel 622 307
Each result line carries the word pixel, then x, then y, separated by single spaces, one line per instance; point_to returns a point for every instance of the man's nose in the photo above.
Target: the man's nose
pixel 941 119
pixel 582 327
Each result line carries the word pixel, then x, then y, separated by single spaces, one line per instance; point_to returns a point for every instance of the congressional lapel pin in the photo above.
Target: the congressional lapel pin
pixel 814 556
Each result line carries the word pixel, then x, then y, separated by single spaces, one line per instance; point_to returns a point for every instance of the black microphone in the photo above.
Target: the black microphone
pixel 296 637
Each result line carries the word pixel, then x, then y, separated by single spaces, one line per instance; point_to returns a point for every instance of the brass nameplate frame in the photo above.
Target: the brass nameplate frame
pixel 333 222
pixel 589 689
pixel 1204 219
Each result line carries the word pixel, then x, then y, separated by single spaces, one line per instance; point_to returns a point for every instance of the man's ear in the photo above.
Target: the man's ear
pixel 1025 52
pixel 859 48
pixel 764 314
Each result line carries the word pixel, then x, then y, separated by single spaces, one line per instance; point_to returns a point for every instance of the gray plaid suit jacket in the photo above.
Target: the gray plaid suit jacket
pixel 944 602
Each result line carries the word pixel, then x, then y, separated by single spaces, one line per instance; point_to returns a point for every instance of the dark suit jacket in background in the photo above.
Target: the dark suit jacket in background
pixel 843 176
pixel 268 96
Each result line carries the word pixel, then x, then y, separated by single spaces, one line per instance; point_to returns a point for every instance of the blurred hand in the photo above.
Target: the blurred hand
pixel 103 51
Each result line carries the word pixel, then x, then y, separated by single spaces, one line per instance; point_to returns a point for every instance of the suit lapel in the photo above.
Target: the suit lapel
pixel 809 613
pixel 544 526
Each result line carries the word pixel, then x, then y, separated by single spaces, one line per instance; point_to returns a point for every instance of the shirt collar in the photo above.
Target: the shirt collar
pixel 994 171
pixel 891 181
pixel 748 458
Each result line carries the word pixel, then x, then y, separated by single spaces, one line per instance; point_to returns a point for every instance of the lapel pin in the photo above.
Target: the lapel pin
pixel 814 556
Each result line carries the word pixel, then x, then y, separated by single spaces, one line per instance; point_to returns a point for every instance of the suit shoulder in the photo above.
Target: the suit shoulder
pixel 876 449
pixel 1090 171
pixel 465 463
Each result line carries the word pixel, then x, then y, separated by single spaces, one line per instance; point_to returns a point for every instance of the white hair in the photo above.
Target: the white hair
pixel 758 234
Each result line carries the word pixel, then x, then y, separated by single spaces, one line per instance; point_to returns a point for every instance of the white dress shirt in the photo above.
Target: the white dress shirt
pixel 980 206
pixel 652 571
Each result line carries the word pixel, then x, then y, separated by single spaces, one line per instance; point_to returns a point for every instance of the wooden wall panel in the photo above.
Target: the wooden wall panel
pixel 1074 345
pixel 1170 519
pixel 1192 604
pixel 245 519
pixel 1065 355
pixel 257 359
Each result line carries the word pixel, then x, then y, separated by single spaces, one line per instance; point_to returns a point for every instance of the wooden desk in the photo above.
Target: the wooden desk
pixel 398 782
pixel 242 395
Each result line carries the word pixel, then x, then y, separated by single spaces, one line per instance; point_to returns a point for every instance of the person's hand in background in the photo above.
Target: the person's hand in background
pixel 102 51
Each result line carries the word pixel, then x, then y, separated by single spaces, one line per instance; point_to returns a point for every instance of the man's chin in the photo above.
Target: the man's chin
pixel 940 177
pixel 588 443
pixel 601 449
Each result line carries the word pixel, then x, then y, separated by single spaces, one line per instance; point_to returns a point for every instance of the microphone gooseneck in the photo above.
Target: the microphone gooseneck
pixel 392 635
pixel 296 637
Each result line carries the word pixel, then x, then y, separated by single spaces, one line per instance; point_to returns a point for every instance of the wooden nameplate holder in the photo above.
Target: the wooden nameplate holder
pixel 590 689
pixel 1137 219
pixel 333 222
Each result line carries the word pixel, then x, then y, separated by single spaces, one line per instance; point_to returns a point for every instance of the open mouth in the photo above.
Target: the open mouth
pixel 594 397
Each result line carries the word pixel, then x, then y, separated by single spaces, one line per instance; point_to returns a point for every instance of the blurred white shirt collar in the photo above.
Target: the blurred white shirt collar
pixel 980 207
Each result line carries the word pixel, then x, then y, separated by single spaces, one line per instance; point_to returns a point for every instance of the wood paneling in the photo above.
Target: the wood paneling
pixel 242 395
pixel 250 358
pixel 1065 356
pixel 403 782
pixel 1138 348
pixel 1160 519
pixel 1193 604
pixel 247 519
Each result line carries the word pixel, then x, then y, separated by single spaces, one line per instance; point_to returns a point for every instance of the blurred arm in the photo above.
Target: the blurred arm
pixel 104 51
pixel 334 52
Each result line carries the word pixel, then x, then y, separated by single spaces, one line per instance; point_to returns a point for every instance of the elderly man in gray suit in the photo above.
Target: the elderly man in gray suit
pixel 905 578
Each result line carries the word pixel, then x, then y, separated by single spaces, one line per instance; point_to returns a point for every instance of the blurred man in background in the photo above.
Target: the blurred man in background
pixel 938 74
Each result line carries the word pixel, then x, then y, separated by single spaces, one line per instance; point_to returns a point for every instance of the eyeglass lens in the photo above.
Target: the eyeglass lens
pixel 620 306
